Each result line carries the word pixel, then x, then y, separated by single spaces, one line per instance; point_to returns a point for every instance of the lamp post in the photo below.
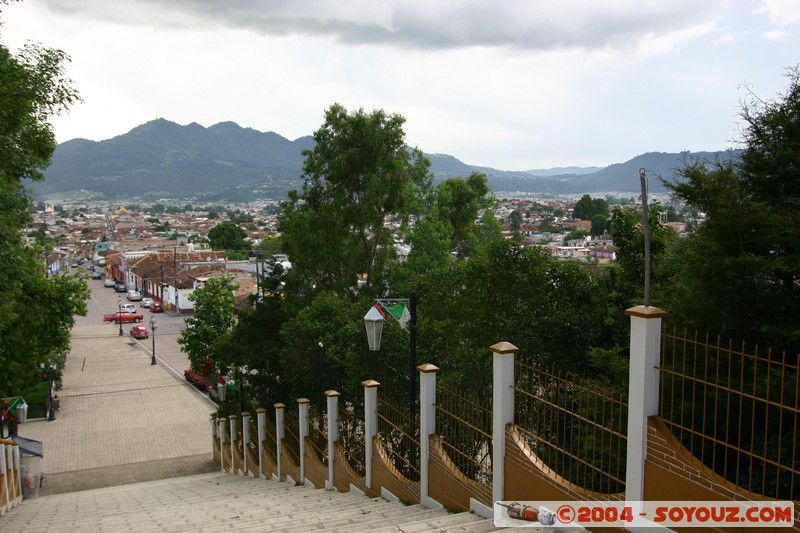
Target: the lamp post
pixel 153 327
pixel 119 314
pixel 373 322
pixel 320 373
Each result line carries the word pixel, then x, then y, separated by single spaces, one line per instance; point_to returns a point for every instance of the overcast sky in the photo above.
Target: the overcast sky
pixel 511 84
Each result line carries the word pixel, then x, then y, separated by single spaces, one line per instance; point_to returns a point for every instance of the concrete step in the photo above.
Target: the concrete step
pixel 217 502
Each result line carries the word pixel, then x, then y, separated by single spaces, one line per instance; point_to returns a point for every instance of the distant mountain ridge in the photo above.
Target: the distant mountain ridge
pixel 162 159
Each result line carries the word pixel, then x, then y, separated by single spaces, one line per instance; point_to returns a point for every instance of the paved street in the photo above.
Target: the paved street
pixel 118 409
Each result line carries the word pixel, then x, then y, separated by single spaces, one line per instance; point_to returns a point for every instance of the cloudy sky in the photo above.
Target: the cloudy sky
pixel 511 84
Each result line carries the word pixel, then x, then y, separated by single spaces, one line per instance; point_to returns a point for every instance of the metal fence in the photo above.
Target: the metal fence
pixel 291 435
pixel 736 409
pixel 318 433
pixel 399 437
pixel 465 429
pixel 351 438
pixel 577 430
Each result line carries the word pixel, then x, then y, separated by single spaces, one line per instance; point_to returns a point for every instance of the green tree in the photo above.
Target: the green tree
pixel 743 261
pixel 587 207
pixel 551 310
pixel 359 173
pixel 36 311
pixel 458 202
pixel 599 224
pixel 515 221
pixel 338 323
pixel 213 318
pixel 229 237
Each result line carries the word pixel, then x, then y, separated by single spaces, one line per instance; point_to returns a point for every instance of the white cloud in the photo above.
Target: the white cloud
pixel 780 12
pixel 512 84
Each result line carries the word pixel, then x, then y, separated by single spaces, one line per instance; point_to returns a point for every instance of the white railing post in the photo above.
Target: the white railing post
pixel 261 419
pixel 643 386
pixel 279 407
pixel 222 422
pixel 370 425
pixel 5 505
pixel 245 441
pixel 302 408
pixel 333 433
pixel 502 411
pixel 234 421
pixel 427 427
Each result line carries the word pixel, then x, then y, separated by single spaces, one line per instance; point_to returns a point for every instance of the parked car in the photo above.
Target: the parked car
pixel 131 308
pixel 110 282
pixel 134 296
pixel 120 287
pixel 156 307
pixel 139 331
pixel 123 316
pixel 95 275
pixel 146 302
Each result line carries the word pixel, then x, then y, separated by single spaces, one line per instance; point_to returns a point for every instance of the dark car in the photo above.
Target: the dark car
pixel 120 287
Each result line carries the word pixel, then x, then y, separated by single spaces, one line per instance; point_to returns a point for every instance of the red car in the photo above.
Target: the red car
pixel 123 316
pixel 156 307
pixel 139 331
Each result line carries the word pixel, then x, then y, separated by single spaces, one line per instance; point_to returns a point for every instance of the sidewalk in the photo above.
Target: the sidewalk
pixel 121 419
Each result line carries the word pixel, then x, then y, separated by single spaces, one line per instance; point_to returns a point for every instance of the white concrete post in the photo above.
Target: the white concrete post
pixel 261 419
pixel 245 441
pixel 4 505
pixel 302 408
pixel 427 426
pixel 502 411
pixel 222 422
pixel 279 407
pixel 234 421
pixel 370 424
pixel 643 386
pixel 333 433
pixel 17 473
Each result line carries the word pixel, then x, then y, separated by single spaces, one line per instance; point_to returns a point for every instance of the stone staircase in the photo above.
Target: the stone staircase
pixel 216 501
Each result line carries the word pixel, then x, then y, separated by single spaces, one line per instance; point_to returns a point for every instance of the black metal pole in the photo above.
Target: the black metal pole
pixel 646 226
pixel 119 315
pixel 153 333
pixel 52 414
pixel 241 391
pixel 320 371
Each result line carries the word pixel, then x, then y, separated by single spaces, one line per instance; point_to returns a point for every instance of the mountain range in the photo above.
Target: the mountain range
pixel 161 159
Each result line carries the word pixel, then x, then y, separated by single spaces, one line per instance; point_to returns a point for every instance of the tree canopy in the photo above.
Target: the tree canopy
pixel 33 87
pixel 587 207
pixel 744 258
pixel 212 319
pixel 359 173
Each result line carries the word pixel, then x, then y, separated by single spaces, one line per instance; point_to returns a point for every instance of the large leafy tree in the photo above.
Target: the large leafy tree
pixel 359 173
pixel 587 207
pixel 229 237
pixel 551 310
pixel 744 260
pixel 212 319
pixel 36 311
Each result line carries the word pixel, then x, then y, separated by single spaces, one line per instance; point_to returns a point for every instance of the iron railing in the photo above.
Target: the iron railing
pixel 464 427
pixel 399 437
pixel 736 409
pixel 577 430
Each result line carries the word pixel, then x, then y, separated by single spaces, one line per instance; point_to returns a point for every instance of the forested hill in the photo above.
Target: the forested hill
pixel 161 159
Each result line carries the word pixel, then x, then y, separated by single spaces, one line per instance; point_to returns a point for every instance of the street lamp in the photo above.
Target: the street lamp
pixel 119 314
pixel 320 373
pixel 373 321
pixel 153 327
